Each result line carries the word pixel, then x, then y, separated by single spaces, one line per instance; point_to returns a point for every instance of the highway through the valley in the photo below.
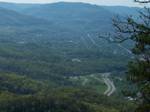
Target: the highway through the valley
pixel 85 81
pixel 110 85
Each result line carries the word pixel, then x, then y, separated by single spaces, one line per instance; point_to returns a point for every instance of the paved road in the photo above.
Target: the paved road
pixel 105 76
pixel 113 89
pixel 85 81
pixel 107 82
pixel 110 85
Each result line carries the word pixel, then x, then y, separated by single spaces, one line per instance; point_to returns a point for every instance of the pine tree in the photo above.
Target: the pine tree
pixel 139 69
pixel 137 30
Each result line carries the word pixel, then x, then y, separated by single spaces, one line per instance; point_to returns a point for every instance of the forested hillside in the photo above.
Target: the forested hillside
pixel 19 93
pixel 52 59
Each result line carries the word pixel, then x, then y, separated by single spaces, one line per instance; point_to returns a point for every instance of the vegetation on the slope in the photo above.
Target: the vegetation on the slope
pixel 62 100
pixel 20 84
pixel 139 68
pixel 37 61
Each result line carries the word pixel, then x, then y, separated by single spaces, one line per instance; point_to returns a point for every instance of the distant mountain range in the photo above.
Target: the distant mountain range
pixel 58 20
pixel 62 19
pixel 52 59
pixel 12 18
pixel 42 40
pixel 64 14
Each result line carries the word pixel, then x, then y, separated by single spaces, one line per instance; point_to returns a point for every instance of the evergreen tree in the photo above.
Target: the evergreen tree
pixel 139 68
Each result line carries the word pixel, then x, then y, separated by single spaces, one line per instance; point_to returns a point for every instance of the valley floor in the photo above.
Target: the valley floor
pixel 101 81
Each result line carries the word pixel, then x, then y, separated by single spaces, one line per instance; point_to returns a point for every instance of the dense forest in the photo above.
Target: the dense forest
pixel 19 93
pixel 52 59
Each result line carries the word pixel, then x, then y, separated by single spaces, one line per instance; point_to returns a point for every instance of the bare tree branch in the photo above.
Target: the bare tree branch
pixel 142 1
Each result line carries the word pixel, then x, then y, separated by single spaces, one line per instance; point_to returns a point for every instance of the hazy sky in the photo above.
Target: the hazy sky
pixel 99 2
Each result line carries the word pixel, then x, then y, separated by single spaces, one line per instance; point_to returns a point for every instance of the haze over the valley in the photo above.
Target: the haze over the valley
pixel 98 2
pixel 63 56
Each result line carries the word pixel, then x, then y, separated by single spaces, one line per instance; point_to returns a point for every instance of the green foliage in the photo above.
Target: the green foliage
pixel 61 100
pixel 20 84
pixel 139 67
pixel 37 58
pixel 19 93
pixel 139 70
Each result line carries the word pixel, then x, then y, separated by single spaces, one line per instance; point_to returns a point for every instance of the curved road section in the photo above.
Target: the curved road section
pixel 110 85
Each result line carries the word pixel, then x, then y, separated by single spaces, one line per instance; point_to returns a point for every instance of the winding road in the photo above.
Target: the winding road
pixel 85 81
pixel 110 85
pixel 104 79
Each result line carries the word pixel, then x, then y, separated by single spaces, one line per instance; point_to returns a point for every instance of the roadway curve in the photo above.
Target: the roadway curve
pixel 110 85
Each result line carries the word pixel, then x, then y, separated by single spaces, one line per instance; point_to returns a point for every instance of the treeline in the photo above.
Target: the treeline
pixel 44 62
pixel 41 104
pixel 64 100
pixel 22 94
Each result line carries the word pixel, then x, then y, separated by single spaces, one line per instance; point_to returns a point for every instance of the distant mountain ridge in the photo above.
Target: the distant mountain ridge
pixel 42 40
pixel 63 14
pixel 15 6
pixel 123 10
pixel 23 6
pixel 12 18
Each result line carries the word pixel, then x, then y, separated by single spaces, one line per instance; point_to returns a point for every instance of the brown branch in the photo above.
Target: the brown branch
pixel 142 1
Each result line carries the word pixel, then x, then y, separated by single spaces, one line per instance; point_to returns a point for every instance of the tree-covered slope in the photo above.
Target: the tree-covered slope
pixel 47 52
pixel 41 51
pixel 16 84
pixel 20 93
pixel 75 16
pixel 123 10
pixel 12 18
